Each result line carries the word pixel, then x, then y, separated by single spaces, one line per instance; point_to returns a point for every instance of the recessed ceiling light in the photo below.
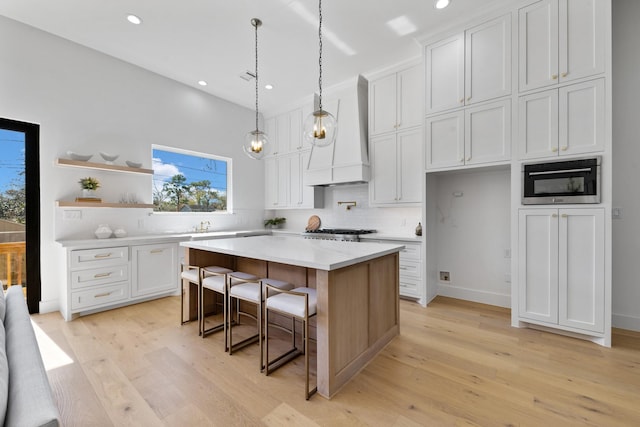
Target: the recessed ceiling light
pixel 134 19
pixel 441 4
pixel 268 87
pixel 202 83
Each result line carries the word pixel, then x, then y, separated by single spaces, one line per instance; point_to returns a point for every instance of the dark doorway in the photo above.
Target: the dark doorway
pixel 30 134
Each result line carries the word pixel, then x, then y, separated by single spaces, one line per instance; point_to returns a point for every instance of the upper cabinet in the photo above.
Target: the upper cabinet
pixel 395 101
pixel 564 121
pixel 469 67
pixel 284 132
pixel 560 40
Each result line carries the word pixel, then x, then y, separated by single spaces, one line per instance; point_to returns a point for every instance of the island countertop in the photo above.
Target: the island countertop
pixel 311 253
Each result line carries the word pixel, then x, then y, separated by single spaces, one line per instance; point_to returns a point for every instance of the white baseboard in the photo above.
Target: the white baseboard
pixel 483 297
pixel 625 322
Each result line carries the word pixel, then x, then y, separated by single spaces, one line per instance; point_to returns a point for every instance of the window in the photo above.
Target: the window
pixel 186 181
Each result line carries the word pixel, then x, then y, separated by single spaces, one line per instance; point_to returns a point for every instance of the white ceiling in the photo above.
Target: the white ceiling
pixel 213 40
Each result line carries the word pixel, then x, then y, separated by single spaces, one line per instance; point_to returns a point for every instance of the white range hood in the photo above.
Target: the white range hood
pixel 347 160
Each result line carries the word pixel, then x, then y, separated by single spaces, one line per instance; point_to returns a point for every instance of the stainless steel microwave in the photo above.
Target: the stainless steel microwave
pixel 561 182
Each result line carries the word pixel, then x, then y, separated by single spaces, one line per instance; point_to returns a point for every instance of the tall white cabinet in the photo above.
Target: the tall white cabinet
pixel 561 268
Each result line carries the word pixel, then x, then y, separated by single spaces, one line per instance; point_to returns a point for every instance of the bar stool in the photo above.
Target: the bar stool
pixel 299 303
pixel 247 287
pixel 213 279
pixel 190 273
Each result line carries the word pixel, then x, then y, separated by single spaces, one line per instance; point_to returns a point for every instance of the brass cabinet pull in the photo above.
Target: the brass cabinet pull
pixel 105 294
pixel 554 77
pixel 554 215
pixel 564 215
pixel 157 251
pixel 564 148
pixel 98 276
pixel 461 100
pixel 102 255
pixel 564 74
pixel 554 150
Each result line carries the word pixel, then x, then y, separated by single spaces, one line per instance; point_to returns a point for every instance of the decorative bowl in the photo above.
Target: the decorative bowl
pixel 80 157
pixel 103 231
pixel 109 158
pixel 120 232
pixel 133 164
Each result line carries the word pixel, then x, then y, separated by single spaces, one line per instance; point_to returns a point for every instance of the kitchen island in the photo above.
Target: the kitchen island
pixel 357 286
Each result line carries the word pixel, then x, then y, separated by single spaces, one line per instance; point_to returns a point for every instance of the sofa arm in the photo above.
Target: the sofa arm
pixel 30 400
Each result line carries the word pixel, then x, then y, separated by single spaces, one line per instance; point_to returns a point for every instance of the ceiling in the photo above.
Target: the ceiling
pixel 213 40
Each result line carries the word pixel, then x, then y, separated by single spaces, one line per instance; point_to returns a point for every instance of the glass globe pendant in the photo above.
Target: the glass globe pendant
pixel 320 127
pixel 256 140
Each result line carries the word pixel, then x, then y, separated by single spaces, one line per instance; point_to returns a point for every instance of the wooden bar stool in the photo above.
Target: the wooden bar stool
pixel 246 287
pixel 299 303
pixel 213 279
pixel 190 273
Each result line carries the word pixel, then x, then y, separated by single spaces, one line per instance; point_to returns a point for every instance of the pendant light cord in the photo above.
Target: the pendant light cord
pixel 256 25
pixel 320 56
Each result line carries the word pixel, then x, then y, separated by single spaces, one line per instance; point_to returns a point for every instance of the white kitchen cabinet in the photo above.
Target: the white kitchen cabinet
pixel 472 136
pixel 565 121
pixel 284 132
pixel 154 269
pixel 560 41
pixel 470 67
pixel 284 186
pixel 396 160
pixel 97 278
pixel 561 279
pixel 395 101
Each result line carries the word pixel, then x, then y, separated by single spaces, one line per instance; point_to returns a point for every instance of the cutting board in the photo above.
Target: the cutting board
pixel 314 223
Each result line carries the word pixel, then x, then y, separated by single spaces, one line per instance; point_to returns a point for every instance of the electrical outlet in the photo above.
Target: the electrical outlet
pixel 444 276
pixel 72 215
pixel 616 213
pixel 507 253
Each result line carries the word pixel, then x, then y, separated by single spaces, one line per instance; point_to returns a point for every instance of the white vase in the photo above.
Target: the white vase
pixel 86 193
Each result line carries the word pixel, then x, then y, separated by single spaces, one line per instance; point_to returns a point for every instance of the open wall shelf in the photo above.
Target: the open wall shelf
pixel 102 166
pixel 72 204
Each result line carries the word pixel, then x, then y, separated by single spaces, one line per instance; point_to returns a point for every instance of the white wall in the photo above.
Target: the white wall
pixel 87 102
pixel 626 158
pixel 472 220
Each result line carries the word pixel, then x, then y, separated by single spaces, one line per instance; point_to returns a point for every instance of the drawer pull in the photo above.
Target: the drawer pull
pixel 102 255
pixel 102 295
pixel 403 268
pixel 98 276
pixel 157 251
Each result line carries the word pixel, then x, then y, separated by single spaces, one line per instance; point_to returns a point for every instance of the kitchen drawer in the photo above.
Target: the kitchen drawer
pixel 88 258
pixel 410 252
pixel 97 297
pixel 99 276
pixel 410 270
pixel 410 288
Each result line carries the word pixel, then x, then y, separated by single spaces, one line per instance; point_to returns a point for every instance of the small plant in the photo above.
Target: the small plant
pixel 274 222
pixel 89 183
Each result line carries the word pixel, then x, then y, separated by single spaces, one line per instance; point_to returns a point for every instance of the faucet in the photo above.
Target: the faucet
pixel 204 226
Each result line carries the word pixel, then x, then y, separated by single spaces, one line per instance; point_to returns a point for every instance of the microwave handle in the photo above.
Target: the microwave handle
pixel 560 171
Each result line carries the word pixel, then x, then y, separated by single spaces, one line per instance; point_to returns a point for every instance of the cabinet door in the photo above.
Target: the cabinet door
pixel 488 60
pixel 384 161
pixel 538 265
pixel 410 166
pixel 488 133
pixel 538 125
pixel 283 132
pixel 382 105
pixel 271 183
pixel 538 45
pixel 284 167
pixel 445 74
pixel 445 140
pixel 312 197
pixel 581 122
pixel 581 269
pixel 410 101
pixel 270 129
pixel 581 38
pixel 296 197
pixel 155 269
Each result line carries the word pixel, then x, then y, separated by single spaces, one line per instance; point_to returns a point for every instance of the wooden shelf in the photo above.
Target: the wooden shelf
pixel 102 166
pixel 69 204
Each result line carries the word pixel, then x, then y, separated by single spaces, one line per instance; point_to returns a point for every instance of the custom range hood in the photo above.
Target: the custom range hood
pixel 347 160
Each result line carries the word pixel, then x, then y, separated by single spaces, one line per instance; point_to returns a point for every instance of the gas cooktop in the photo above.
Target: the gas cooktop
pixel 341 231
pixel 345 234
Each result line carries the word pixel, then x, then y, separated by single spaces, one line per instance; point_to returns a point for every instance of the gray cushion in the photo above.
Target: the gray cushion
pixel 4 373
pixel 30 400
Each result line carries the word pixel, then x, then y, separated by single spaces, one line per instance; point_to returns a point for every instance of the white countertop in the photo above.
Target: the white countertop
pixel 292 250
pixel 156 238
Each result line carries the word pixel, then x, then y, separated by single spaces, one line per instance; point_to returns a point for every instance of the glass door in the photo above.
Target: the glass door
pixel 19 209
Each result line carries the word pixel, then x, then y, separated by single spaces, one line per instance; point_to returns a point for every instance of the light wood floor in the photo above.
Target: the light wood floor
pixel 455 363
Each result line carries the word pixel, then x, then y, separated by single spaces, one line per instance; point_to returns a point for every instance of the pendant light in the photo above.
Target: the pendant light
pixel 256 140
pixel 320 127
